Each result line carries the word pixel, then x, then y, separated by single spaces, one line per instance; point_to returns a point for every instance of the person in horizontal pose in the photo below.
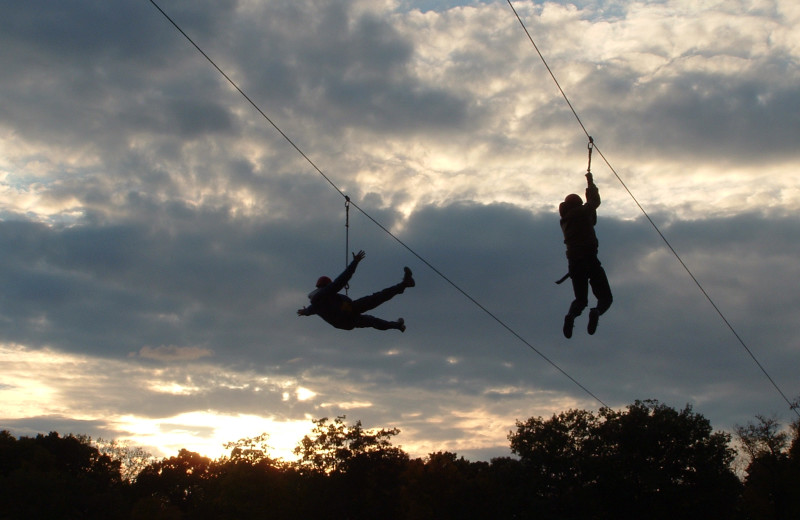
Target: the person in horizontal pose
pixel 342 312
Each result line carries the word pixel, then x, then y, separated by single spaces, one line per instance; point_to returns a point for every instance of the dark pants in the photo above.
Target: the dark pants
pixel 585 272
pixel 367 303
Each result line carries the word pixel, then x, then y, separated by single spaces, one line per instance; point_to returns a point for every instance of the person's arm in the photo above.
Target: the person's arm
pixel 306 311
pixel 592 193
pixel 341 280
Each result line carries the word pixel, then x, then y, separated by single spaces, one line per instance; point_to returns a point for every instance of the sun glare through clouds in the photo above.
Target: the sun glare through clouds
pixel 38 383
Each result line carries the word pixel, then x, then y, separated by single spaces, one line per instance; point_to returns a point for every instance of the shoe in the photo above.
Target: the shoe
pixel 408 281
pixel 594 317
pixel 402 324
pixel 569 322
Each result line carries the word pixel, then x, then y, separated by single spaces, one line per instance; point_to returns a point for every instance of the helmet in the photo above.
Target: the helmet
pixel 322 281
pixel 571 201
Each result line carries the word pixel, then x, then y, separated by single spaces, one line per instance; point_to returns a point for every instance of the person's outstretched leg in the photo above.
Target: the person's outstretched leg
pixel 367 321
pixel 367 303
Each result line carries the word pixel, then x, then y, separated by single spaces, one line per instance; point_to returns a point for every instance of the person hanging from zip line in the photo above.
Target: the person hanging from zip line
pixel 342 312
pixel 577 223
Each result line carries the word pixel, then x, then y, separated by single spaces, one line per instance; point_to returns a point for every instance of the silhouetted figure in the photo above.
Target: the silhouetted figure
pixel 344 313
pixel 577 223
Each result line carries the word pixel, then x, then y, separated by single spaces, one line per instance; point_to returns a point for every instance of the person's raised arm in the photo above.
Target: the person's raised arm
pixel 592 193
pixel 341 280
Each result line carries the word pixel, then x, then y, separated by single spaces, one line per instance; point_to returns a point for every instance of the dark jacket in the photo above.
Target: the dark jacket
pixel 577 223
pixel 331 306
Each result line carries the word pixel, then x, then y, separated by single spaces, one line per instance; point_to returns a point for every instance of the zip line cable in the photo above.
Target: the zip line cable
pixel 363 212
pixel 792 406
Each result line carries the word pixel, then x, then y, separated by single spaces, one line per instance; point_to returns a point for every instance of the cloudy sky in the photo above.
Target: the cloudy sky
pixel 158 234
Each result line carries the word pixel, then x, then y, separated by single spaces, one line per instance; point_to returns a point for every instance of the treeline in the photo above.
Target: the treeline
pixel 647 461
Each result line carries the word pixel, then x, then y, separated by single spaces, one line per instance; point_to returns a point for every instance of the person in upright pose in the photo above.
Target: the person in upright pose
pixel 342 312
pixel 577 223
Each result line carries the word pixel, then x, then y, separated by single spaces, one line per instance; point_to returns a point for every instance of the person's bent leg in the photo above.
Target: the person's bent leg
pixel 580 287
pixel 601 289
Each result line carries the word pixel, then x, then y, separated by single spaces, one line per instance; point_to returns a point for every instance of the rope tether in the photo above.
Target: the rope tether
pixel 346 236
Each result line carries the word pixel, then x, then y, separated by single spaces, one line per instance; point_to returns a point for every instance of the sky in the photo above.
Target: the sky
pixel 159 233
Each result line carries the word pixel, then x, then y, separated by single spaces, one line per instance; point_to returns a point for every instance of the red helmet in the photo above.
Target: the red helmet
pixel 323 281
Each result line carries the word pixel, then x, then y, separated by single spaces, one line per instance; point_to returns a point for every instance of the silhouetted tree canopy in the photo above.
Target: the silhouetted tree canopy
pixel 335 447
pixel 772 482
pixel 49 476
pixel 655 461
pixel 646 461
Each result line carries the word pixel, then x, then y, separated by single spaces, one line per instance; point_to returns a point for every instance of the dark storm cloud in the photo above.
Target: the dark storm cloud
pixel 321 58
pixel 700 115
pixel 99 57
pixel 141 110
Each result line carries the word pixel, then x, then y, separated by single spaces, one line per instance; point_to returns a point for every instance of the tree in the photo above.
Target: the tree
pixel 762 438
pixel 248 483
pixel 794 448
pixel 334 446
pixel 666 462
pixel 173 484
pixel 646 461
pixel 773 473
pixel 49 476
pixel 555 451
pixel 350 471
pixel 132 459
pixel 445 486
pixel 250 450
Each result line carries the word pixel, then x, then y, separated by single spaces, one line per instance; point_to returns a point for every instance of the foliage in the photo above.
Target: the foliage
pixel 49 476
pixel 773 473
pixel 334 447
pixel 132 459
pixel 646 461
pixel 655 461
pixel 250 450
pixel 762 438
pixel 177 483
